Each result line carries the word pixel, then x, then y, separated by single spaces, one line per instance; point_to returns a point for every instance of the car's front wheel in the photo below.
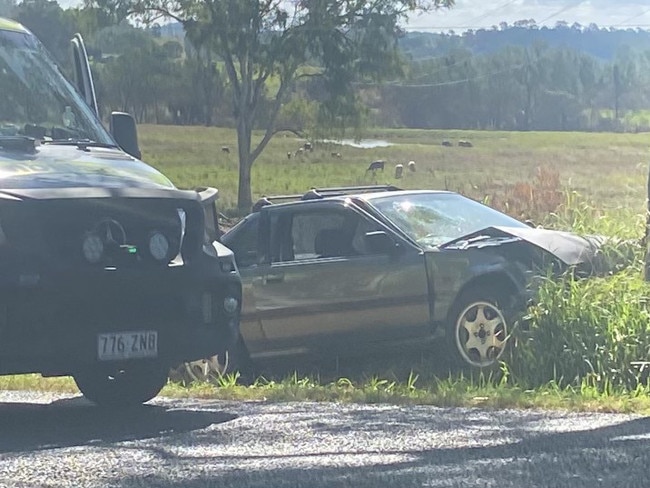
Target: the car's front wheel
pixel 478 330
pixel 122 387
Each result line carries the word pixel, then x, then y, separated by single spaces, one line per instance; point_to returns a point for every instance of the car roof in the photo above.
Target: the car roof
pixel 366 193
pixel 372 196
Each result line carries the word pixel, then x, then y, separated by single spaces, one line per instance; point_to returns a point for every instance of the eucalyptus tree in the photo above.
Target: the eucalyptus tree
pixel 49 22
pixel 266 46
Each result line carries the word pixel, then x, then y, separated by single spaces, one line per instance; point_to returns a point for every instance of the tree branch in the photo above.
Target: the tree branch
pixel 270 131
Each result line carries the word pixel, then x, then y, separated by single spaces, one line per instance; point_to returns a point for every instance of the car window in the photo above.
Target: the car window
pixel 315 235
pixel 245 244
pixel 359 244
pixel 321 234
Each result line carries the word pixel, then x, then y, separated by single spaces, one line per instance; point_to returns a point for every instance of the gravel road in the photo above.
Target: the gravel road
pixel 54 441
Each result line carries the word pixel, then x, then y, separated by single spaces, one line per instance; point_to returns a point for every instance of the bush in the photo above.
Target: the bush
pixel 586 332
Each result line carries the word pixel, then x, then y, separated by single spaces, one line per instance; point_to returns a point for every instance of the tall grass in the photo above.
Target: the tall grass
pixel 586 332
pixel 583 333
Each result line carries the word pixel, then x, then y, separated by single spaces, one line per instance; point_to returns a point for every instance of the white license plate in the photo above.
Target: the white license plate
pixel 127 345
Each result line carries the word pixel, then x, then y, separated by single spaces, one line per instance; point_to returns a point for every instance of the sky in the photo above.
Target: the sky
pixel 477 14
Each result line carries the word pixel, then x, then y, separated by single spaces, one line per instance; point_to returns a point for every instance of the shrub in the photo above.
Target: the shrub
pixel 586 332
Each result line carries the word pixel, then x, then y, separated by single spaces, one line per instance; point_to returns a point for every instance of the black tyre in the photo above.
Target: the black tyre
pixel 478 330
pixel 122 387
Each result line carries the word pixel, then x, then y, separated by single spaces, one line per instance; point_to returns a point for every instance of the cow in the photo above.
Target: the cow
pixel 336 155
pixel 225 149
pixel 411 166
pixel 465 144
pixel 307 146
pixel 447 143
pixel 375 165
pixel 399 170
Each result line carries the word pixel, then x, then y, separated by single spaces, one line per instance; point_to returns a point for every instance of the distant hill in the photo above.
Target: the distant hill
pixel 598 42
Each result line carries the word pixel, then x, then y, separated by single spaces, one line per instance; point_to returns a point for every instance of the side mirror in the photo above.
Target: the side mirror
pixel 379 242
pixel 125 133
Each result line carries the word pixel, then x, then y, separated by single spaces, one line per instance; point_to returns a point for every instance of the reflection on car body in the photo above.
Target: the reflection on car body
pixel 338 269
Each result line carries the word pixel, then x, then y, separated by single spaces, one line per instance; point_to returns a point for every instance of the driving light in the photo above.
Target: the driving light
pixel 92 248
pixel 158 246
pixel 230 305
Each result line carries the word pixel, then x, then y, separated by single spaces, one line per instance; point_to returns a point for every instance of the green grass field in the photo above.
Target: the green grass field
pixel 607 169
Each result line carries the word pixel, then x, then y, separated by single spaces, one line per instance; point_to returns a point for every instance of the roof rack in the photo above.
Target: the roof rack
pixel 318 193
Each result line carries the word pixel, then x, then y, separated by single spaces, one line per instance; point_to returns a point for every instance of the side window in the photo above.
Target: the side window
pixel 318 234
pixel 245 245
pixel 359 244
pixel 304 235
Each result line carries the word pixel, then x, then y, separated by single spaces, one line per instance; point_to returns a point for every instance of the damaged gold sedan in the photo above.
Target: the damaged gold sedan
pixel 340 270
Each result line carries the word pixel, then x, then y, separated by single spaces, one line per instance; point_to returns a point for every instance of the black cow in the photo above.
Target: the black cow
pixel 375 165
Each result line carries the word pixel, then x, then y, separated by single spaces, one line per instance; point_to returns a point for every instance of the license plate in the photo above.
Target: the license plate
pixel 127 345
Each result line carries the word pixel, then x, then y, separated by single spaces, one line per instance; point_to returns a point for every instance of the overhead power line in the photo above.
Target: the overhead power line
pixel 490 12
pixel 627 21
pixel 562 10
pixel 471 25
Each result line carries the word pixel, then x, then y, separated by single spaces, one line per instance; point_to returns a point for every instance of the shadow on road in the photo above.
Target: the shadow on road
pixel 611 456
pixel 77 422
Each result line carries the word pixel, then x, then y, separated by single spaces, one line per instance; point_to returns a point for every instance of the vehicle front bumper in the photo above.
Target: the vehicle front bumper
pixel 50 323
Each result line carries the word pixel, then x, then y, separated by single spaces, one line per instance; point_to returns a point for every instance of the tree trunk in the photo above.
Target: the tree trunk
pixel 244 196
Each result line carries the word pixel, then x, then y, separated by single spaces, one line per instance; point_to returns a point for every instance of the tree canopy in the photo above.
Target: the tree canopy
pixel 337 42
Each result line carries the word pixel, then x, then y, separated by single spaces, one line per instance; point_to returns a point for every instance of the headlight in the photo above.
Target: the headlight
pixel 92 248
pixel 230 305
pixel 158 246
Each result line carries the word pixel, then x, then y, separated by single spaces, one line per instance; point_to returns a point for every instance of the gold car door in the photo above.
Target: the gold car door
pixel 320 287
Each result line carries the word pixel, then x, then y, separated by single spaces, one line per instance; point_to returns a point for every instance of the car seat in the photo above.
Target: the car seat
pixel 331 243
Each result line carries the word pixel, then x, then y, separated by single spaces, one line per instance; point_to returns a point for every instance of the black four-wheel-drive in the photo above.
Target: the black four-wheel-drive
pixel 108 272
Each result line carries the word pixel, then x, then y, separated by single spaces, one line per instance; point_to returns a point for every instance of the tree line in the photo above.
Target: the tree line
pixel 522 88
pixel 167 80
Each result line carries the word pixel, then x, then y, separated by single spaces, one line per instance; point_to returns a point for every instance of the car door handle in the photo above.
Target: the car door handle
pixel 274 278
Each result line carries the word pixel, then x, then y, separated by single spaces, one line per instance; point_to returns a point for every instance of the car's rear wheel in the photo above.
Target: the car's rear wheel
pixel 478 330
pixel 122 387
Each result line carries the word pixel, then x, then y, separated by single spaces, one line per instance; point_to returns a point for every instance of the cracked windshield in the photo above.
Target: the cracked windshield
pixel 436 218
pixel 36 99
